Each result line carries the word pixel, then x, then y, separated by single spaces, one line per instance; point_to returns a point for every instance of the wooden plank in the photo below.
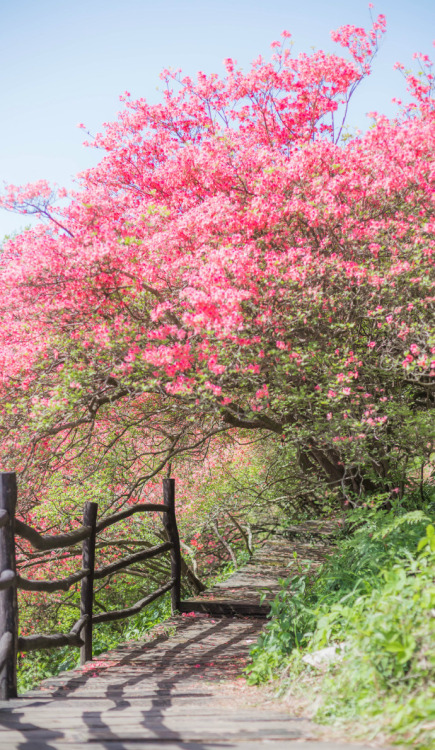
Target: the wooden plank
pixel 228 608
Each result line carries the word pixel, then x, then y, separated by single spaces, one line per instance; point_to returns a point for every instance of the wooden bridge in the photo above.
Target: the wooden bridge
pixel 179 688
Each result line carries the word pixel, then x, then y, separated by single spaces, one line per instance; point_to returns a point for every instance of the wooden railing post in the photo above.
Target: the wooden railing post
pixel 170 523
pixel 87 588
pixel 8 596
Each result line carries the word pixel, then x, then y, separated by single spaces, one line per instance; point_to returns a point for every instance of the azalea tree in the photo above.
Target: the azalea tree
pixel 233 263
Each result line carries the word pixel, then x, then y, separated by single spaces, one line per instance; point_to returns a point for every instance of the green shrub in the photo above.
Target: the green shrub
pixel 375 595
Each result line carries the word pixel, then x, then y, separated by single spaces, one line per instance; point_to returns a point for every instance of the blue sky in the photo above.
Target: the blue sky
pixel 66 61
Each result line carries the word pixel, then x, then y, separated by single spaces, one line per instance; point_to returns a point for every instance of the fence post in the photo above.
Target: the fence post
pixel 8 596
pixel 170 523
pixel 87 588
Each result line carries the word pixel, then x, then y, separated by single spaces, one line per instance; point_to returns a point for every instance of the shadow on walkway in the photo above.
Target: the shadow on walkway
pixel 165 673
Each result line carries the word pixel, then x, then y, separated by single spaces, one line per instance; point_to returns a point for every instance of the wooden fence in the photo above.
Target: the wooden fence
pixel 80 634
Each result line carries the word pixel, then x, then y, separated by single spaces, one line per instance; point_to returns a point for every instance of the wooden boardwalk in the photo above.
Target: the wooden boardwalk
pixel 179 688
pixel 250 590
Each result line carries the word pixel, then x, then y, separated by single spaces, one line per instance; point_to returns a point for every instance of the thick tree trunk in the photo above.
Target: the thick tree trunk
pixel 330 467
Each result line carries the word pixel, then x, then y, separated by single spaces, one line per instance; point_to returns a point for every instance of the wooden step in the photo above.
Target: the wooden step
pixel 228 608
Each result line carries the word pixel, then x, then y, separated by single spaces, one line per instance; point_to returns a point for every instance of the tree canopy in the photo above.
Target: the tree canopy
pixel 234 261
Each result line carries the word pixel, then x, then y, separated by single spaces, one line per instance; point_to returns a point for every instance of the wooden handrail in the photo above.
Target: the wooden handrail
pixel 140 508
pixel 120 614
pixel 54 640
pixel 131 559
pixel 63 584
pixel 80 634
pixel 45 542
pixel 80 624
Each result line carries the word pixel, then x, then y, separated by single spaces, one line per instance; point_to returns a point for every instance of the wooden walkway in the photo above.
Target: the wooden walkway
pixel 250 590
pixel 179 688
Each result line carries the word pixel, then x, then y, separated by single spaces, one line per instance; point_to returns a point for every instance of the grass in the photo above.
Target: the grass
pixel 376 597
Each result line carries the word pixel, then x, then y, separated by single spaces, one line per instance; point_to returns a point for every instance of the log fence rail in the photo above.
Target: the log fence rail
pixel 80 634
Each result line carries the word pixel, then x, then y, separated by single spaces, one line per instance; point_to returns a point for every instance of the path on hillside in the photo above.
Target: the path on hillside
pixel 179 688
pixel 250 590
